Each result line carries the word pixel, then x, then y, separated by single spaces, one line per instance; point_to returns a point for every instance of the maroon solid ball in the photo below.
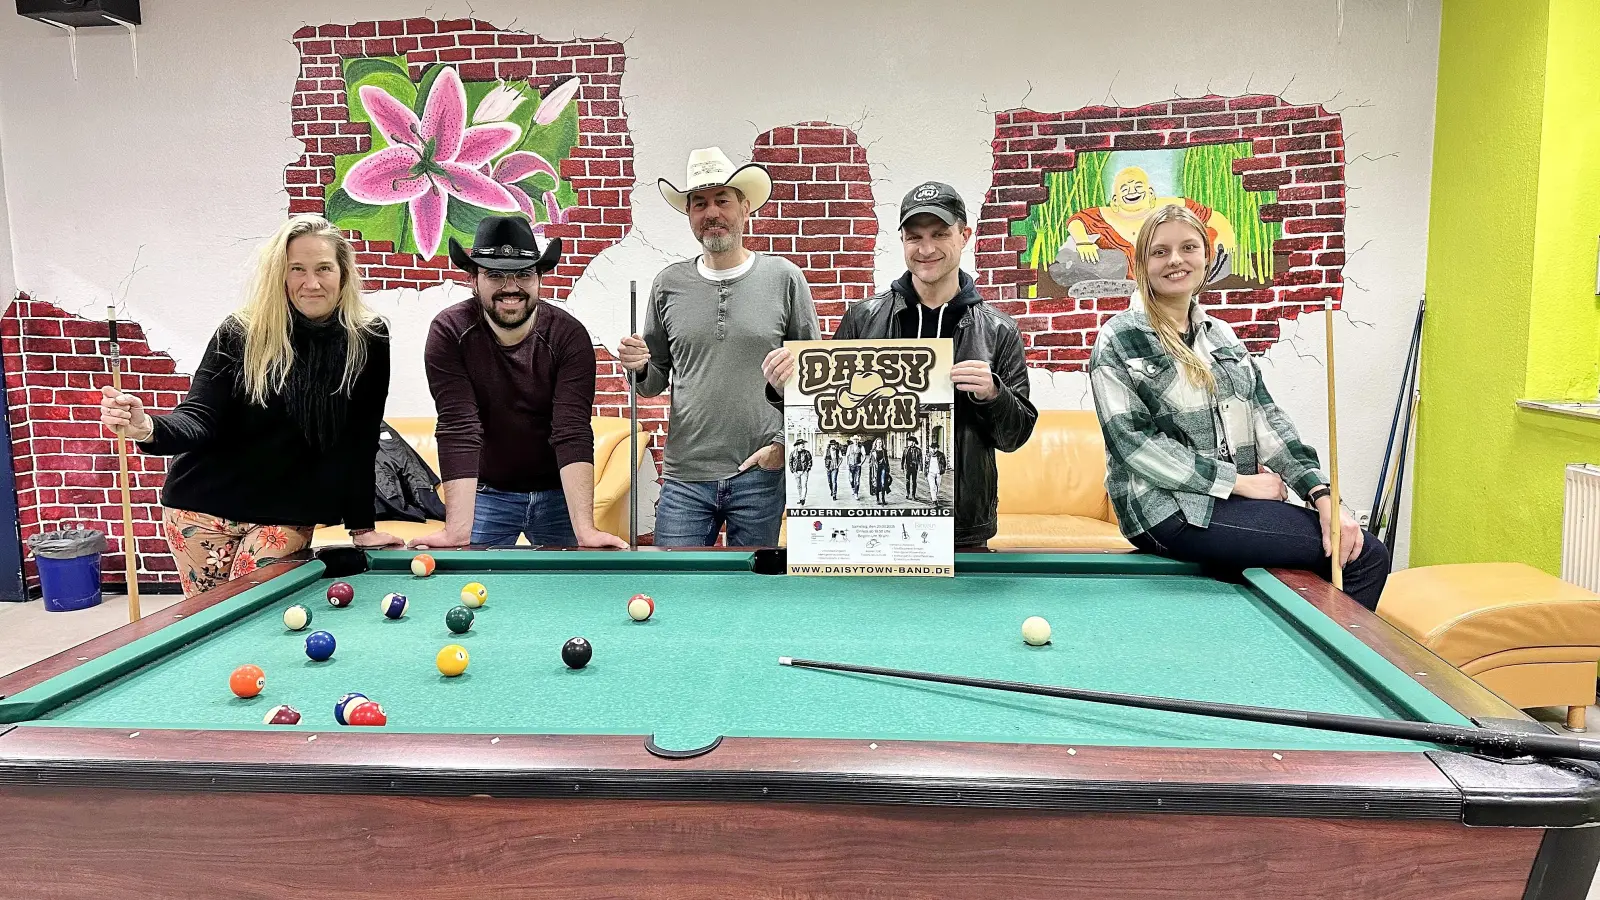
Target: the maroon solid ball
pixel 340 593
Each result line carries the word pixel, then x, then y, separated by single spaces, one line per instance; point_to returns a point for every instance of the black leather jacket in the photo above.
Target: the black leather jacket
pixel 1004 423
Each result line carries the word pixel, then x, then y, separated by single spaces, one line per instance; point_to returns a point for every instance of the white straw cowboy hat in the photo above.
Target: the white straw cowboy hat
pixel 710 168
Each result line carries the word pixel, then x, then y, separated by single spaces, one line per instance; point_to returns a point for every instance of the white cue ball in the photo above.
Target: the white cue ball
pixel 1036 631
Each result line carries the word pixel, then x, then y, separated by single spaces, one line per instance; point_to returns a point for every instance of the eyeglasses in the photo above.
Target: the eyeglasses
pixel 499 276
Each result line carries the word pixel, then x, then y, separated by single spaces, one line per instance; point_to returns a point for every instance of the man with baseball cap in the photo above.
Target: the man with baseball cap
pixel 709 323
pixel 513 382
pixel 935 299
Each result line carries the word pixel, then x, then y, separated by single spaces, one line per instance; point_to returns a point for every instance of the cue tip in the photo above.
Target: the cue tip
pixel 785 660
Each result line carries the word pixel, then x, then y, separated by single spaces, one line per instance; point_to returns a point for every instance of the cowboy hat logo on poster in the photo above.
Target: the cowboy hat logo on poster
pixel 865 389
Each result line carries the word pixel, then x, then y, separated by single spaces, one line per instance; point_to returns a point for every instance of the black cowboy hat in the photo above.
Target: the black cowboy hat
pixel 506 242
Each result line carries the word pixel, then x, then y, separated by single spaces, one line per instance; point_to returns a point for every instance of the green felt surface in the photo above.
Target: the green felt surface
pixel 706 665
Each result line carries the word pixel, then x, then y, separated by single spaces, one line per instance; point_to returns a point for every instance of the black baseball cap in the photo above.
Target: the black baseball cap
pixel 934 197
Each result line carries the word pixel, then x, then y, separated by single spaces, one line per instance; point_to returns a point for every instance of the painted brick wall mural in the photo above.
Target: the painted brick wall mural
pixel 1069 188
pixel 65 462
pixel 523 124
pixel 821 216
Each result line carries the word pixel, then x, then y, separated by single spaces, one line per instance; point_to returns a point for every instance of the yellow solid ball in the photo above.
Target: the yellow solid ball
pixel 452 660
pixel 474 595
pixel 1036 631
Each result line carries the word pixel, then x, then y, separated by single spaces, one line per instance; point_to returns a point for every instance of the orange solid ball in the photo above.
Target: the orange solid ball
pixel 247 681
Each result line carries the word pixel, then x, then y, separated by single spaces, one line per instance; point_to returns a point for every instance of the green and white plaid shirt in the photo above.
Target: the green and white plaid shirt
pixel 1163 454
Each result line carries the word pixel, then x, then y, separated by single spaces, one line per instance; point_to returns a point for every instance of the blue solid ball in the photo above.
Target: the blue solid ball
pixel 319 645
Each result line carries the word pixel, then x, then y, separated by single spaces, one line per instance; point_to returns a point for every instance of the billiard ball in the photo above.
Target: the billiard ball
pixel 319 645
pixel 340 593
pixel 422 565
pixel 459 620
pixel 247 681
pixel 367 713
pixel 474 595
pixel 576 653
pixel 282 715
pixel 343 706
pixel 641 607
pixel 452 660
pixel 394 606
pixel 296 617
pixel 1036 631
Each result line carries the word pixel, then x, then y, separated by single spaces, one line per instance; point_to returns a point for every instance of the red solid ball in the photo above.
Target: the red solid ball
pixel 367 714
pixel 340 593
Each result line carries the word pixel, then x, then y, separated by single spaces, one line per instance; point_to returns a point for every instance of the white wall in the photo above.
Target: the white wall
pixel 181 168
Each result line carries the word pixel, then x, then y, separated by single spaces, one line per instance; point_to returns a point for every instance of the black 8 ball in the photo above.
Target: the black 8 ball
pixel 576 653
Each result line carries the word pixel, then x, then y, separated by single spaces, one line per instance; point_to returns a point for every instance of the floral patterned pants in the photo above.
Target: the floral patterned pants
pixel 211 550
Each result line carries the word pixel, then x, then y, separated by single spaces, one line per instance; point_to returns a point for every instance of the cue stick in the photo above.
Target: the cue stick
pixel 1334 523
pixel 1399 409
pixel 633 425
pixel 1499 743
pixel 129 545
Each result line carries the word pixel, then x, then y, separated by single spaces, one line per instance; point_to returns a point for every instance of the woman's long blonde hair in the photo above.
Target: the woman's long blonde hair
pixel 1168 327
pixel 265 318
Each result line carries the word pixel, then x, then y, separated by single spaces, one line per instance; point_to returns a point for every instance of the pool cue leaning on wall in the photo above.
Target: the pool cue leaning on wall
pixel 633 425
pixel 1333 459
pixel 129 542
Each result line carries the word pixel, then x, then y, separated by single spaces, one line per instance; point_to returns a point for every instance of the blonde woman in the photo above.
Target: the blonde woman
pixel 279 431
pixel 1199 458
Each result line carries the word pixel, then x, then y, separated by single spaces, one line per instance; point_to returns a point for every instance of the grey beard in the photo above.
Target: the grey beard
pixel 719 244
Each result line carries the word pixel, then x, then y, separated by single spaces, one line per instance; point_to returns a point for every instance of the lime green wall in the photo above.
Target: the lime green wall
pixel 1564 329
pixel 1513 221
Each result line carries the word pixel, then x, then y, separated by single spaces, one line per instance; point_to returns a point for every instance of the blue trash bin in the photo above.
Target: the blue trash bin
pixel 69 567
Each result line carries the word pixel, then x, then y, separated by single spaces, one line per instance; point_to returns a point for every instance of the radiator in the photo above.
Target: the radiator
pixel 1580 528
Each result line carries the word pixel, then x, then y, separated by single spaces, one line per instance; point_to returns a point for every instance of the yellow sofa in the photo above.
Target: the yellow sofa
pixel 1053 489
pixel 1518 631
pixel 610 478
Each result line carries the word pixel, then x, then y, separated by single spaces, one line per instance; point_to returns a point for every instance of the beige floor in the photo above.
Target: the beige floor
pixel 28 634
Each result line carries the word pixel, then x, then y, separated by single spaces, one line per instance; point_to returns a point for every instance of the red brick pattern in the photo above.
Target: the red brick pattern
pixel 821 216
pixel 1298 151
pixel 600 167
pixel 65 462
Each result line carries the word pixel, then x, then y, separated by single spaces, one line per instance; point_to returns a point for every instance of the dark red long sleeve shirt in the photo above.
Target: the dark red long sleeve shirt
pixel 511 416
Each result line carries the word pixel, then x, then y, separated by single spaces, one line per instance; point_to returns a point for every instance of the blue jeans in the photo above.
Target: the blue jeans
pixel 751 504
pixel 499 516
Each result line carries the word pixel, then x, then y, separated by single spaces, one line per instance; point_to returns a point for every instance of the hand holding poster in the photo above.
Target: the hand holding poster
pixel 875 417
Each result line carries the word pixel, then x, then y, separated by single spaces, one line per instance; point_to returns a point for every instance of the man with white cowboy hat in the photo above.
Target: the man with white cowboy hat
pixel 513 381
pixel 935 299
pixel 708 324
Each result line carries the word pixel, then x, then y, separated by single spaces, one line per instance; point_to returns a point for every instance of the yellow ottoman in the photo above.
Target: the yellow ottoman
pixel 1520 632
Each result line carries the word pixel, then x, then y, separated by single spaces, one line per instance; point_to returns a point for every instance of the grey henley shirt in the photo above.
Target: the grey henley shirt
pixel 707 339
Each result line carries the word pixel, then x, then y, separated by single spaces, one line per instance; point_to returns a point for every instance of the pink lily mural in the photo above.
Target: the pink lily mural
pixel 513 168
pixel 433 158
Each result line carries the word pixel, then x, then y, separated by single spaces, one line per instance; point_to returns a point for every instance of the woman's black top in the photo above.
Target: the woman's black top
pixel 305 458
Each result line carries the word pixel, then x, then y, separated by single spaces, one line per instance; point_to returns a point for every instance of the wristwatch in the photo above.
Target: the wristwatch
pixel 1318 492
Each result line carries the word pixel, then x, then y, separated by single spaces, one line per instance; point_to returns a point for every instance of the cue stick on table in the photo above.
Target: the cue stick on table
pixel 1489 740
pixel 1334 519
pixel 129 544
pixel 633 425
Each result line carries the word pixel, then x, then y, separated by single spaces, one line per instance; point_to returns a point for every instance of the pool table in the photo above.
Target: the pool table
pixel 683 761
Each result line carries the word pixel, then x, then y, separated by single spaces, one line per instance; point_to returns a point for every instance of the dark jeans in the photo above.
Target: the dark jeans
pixel 499 516
pixel 690 513
pixel 1247 534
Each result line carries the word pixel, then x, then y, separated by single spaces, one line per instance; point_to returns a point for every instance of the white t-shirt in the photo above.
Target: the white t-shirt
pixel 725 274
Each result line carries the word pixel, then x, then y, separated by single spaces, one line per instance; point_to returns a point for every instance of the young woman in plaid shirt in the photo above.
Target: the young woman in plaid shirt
pixel 1199 458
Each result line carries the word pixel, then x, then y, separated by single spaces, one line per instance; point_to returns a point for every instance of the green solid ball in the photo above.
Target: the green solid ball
pixel 458 620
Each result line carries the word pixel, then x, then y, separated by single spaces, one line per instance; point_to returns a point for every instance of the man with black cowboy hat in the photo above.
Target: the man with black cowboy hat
pixel 709 323
pixel 513 382
pixel 934 299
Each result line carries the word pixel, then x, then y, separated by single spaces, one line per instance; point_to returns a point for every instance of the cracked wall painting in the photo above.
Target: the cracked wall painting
pixel 1070 190
pixel 457 152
